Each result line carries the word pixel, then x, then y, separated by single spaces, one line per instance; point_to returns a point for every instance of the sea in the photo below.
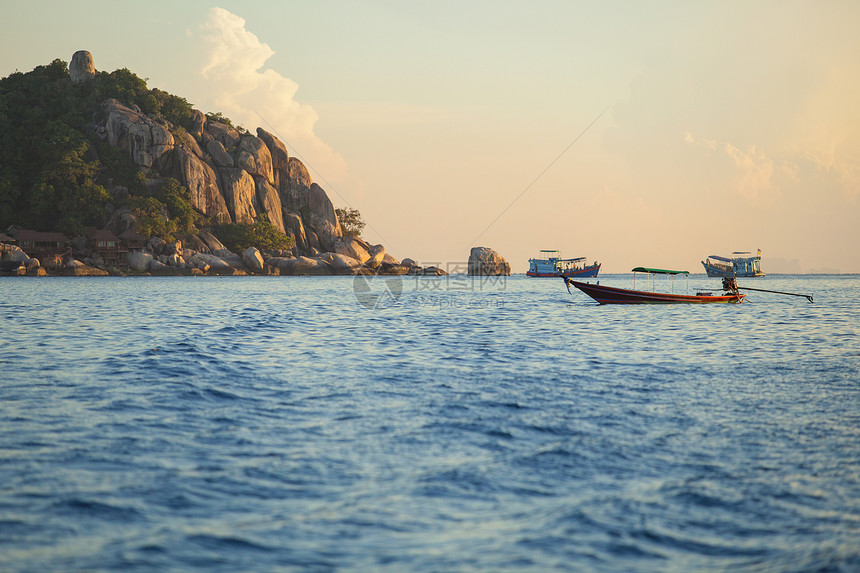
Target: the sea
pixel 426 424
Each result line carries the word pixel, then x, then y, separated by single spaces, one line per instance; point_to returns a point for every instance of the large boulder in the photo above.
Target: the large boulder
pixel 394 269
pixel 198 123
pixel 82 270
pixel 300 193
pixel 145 140
pixel 308 266
pixel 211 241
pixel 82 67
pixel 159 268
pixel 15 253
pixel 139 261
pixel 253 259
pixel 297 182
pixel 218 154
pixel 195 243
pixel 323 217
pixel 278 151
pixel 484 261
pixel 175 260
pixel 230 257
pixel 270 203
pixel 202 184
pixel 342 264
pixel 186 139
pixel 299 266
pixel 285 265
pixel 239 190
pixel 174 247
pixel 227 135
pixel 350 247
pixel 377 256
pixel 253 156
pixel 294 226
pixel 212 262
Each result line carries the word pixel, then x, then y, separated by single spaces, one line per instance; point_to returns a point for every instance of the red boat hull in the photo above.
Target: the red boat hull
pixel 614 295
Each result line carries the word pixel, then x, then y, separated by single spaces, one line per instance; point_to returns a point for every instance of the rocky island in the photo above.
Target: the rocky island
pixel 145 184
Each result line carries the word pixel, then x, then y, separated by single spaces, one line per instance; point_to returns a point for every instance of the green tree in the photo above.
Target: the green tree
pixel 54 170
pixel 166 213
pixel 262 234
pixel 177 200
pixel 350 221
pixel 153 219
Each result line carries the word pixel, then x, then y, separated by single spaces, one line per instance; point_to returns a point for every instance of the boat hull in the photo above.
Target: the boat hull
pixel 614 295
pixel 717 272
pixel 587 272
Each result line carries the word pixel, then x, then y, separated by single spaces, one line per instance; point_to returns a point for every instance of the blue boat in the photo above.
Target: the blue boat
pixel 549 263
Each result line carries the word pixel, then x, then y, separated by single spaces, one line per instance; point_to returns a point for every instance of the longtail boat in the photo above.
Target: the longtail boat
pixel 614 295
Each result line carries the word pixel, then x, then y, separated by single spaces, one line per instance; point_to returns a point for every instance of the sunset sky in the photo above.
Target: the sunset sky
pixel 633 133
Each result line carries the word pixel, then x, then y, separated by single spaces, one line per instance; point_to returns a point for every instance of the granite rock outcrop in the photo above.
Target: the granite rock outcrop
pixel 484 261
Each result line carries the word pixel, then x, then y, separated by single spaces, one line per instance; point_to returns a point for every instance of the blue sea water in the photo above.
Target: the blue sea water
pixel 425 425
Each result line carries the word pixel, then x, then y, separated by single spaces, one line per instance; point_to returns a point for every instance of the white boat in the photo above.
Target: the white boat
pixel 741 264
pixel 549 263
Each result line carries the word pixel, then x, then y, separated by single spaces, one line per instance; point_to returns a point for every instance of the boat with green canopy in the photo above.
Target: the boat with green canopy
pixel 614 295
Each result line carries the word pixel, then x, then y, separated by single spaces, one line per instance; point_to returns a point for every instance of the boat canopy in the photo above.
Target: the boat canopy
pixel 719 258
pixel 659 271
pixel 553 254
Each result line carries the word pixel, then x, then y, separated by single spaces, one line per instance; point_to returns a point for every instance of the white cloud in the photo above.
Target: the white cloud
pixel 233 81
pixel 753 169
pixel 791 170
pixel 831 162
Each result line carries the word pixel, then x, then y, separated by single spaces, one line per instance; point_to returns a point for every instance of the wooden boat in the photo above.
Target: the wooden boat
pixel 742 264
pixel 550 264
pixel 614 295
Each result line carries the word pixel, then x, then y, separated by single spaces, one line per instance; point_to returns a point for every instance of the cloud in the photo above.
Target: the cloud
pixel 791 170
pixel 831 163
pixel 235 83
pixel 753 169
pixel 709 144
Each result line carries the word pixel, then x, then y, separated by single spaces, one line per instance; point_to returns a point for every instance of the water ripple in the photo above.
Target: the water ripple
pixel 262 424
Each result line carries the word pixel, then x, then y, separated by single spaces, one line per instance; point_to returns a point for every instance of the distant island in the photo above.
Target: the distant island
pixel 101 175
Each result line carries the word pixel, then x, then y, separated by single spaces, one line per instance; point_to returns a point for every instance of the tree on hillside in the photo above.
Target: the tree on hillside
pixel 53 173
pixel 350 221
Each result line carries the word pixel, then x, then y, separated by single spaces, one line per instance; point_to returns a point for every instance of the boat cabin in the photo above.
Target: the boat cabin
pixel 549 263
pixel 745 264
pixel 741 264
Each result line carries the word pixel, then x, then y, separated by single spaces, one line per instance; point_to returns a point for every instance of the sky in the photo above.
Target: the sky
pixel 631 133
